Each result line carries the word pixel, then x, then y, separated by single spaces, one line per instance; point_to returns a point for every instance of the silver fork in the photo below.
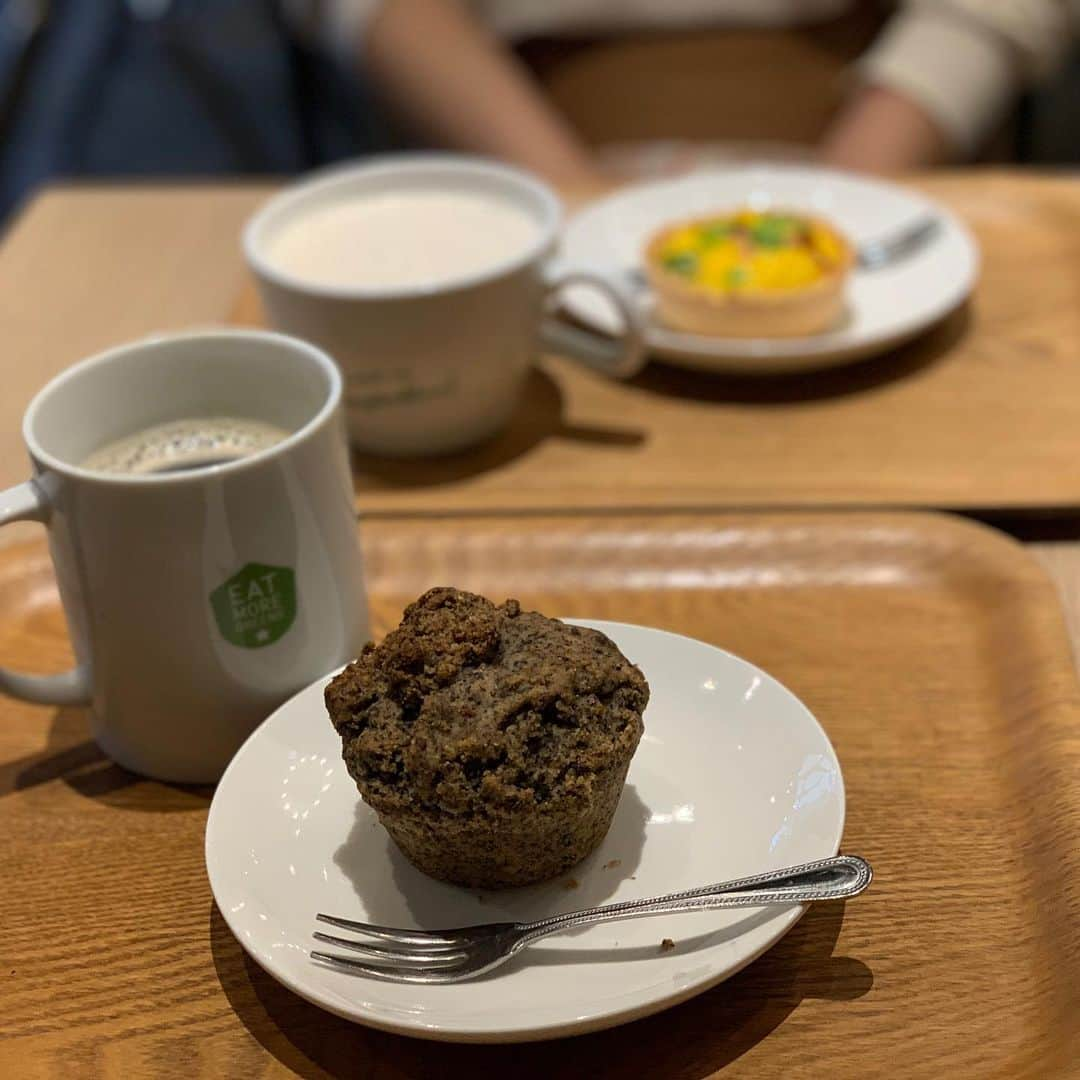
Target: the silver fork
pixel 448 956
pixel 884 251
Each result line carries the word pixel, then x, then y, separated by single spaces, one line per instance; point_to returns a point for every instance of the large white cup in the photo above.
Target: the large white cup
pixel 197 601
pixel 434 368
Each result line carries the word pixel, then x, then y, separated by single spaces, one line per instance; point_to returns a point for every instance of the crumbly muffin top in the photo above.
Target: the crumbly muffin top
pixel 470 708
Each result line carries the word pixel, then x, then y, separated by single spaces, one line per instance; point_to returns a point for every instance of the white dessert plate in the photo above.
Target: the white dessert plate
pixel 885 307
pixel 733 776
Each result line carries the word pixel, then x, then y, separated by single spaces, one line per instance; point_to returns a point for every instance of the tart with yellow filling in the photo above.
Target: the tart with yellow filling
pixel 749 274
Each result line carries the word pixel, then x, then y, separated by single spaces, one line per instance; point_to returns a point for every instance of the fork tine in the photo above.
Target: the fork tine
pixel 438 959
pixel 414 975
pixel 396 948
pixel 390 933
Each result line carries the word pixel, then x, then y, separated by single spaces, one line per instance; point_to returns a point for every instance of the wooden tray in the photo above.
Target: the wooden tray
pixel 934 654
pixel 979 414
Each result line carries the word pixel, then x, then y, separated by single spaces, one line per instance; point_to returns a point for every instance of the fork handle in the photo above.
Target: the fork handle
pixel 837 878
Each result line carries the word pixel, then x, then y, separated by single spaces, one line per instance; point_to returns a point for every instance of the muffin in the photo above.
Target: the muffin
pixel 749 274
pixel 492 742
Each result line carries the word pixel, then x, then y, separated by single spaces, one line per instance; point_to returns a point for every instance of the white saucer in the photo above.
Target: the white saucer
pixel 733 776
pixel 885 307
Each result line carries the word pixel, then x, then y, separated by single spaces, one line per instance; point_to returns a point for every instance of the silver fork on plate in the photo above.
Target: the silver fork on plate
pixel 885 250
pixel 448 956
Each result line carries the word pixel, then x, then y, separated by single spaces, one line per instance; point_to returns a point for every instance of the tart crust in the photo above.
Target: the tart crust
pixel 747 313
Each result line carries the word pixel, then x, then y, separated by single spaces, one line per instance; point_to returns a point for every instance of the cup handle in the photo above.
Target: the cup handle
pixel 622 356
pixel 27 502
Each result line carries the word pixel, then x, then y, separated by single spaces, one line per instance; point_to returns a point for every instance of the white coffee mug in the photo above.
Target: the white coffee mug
pixel 437 367
pixel 196 601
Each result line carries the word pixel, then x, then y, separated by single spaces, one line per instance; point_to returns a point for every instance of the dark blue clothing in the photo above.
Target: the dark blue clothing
pixel 204 87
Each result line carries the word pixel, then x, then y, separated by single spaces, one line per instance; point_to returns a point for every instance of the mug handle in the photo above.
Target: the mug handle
pixel 27 502
pixel 622 356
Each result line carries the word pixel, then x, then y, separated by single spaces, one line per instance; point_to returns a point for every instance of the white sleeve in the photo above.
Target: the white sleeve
pixel 964 60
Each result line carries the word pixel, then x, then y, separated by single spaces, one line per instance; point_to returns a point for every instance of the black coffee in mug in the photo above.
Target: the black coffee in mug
pixel 181 445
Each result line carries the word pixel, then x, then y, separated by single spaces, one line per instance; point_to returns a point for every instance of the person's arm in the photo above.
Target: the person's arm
pixel 454 84
pixel 883 131
pixel 940 76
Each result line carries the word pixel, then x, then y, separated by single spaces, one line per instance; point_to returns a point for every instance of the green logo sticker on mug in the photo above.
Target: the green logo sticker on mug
pixel 256 606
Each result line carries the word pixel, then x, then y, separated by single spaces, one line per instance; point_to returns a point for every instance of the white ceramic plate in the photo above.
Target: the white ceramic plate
pixel 733 776
pixel 885 307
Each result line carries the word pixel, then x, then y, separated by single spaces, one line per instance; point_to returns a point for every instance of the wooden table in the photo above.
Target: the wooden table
pixel 87 267
pixel 982 413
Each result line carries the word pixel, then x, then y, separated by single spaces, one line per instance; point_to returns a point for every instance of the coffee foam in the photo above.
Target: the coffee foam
pixel 402 239
pixel 185 444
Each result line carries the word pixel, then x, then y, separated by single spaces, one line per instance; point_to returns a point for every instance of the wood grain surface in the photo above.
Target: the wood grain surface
pixel 1061 560
pixel 934 654
pixel 88 267
pixel 981 413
